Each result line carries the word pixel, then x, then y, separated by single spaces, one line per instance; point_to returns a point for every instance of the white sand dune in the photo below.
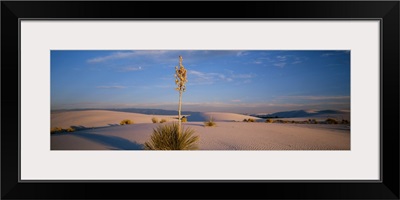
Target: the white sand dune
pixel 301 115
pixel 100 118
pixel 225 136
pixel 228 117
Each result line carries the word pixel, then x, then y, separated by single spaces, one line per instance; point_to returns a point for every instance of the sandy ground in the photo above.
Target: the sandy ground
pixel 100 118
pixel 102 132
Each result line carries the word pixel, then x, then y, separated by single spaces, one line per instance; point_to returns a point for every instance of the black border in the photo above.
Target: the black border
pixel 386 11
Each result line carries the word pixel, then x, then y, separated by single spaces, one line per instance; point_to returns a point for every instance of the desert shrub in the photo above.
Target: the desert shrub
pixel 245 120
pixel 184 119
pixel 251 120
pixel 70 129
pixel 154 120
pixel 345 121
pixel 56 130
pixel 167 137
pixel 163 120
pixel 269 121
pixel 210 122
pixel 331 121
pixel 126 121
pixel 312 121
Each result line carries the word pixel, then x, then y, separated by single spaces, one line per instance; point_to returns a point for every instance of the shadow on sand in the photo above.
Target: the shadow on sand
pixel 111 141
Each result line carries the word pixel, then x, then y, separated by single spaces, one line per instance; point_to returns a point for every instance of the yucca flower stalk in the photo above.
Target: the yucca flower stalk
pixel 180 81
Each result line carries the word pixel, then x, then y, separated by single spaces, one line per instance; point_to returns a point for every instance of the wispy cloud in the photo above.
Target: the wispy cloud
pixel 280 64
pixel 128 69
pixel 111 87
pixel 327 54
pixel 241 53
pixel 210 78
pixel 236 100
pixel 281 58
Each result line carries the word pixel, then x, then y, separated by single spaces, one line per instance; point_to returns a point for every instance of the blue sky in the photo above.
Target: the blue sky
pixel 228 81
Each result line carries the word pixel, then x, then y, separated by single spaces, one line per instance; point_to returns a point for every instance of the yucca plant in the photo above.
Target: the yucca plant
pixel 167 137
pixel 210 122
pixel 180 81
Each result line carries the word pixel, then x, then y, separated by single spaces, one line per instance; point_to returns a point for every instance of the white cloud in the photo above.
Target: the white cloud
pixel 280 64
pixel 128 69
pixel 327 54
pixel 210 78
pixel 241 53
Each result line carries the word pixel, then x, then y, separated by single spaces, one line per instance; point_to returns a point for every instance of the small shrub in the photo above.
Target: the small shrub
pixel 345 121
pixel 163 120
pixel 154 120
pixel 184 119
pixel 245 120
pixel 331 121
pixel 251 120
pixel 269 121
pixel 126 121
pixel 210 122
pixel 70 129
pixel 167 137
pixel 56 130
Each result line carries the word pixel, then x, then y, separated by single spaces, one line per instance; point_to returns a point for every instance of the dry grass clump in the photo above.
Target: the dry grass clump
pixel 126 122
pixel 184 119
pixel 56 130
pixel 269 121
pixel 167 137
pixel 70 129
pixel 331 121
pixel 345 121
pixel 249 120
pixel 154 120
pixel 61 130
pixel 210 122
pixel 163 120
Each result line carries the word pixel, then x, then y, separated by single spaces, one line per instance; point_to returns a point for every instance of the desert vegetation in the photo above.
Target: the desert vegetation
pixel 174 136
pixel 154 120
pixel 126 122
pixel 61 130
pixel 331 121
pixel 168 137
pixel 184 119
pixel 210 122
pixel 269 121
